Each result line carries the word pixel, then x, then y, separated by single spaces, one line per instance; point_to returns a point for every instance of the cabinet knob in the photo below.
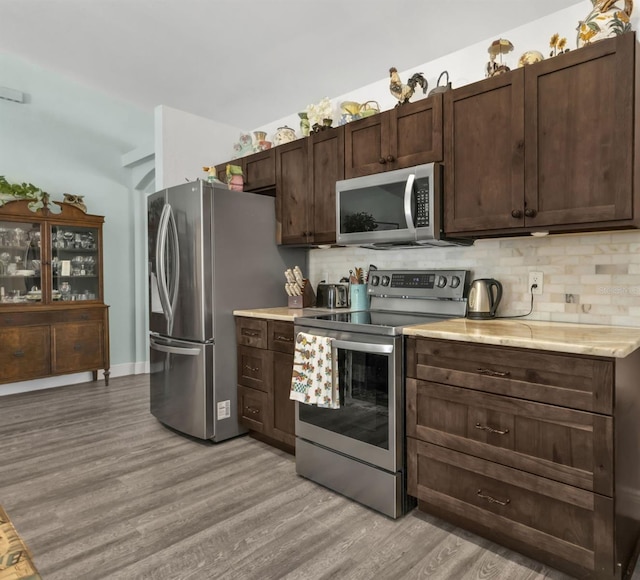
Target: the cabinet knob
pixel 382 161
pixel 530 212
pixel 516 213
pixel 18 353
pixel 390 158
pixel 84 316
pixel 77 347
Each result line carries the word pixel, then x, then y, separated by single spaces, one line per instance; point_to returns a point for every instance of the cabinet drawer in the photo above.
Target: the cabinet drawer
pixel 77 346
pixel 252 405
pixel 573 447
pixel 80 315
pixel 539 517
pixel 251 332
pixel 281 336
pixel 254 368
pixel 24 353
pixel 20 318
pixel 574 381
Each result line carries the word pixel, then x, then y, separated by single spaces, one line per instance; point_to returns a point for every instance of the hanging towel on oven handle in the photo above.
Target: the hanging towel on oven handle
pixel 315 372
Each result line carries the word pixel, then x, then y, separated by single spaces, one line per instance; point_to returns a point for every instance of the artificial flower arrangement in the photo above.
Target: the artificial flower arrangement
pixel 320 114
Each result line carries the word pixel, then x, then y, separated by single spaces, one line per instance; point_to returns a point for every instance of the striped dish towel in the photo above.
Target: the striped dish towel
pixel 315 372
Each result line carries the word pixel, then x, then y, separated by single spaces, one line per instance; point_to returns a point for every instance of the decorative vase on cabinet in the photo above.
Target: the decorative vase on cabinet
pixel 53 320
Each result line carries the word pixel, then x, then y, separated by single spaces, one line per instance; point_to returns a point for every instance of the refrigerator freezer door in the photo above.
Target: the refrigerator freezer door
pixel 182 385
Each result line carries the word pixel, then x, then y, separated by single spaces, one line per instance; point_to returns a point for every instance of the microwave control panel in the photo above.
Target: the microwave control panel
pixel 422 203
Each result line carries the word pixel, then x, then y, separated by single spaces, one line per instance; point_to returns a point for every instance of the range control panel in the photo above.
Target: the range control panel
pixel 436 284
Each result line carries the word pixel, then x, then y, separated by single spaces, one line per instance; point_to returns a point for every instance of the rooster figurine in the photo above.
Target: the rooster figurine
pixel 404 92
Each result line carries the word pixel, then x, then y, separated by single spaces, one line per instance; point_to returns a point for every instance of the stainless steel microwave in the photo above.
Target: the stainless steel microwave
pixel 392 208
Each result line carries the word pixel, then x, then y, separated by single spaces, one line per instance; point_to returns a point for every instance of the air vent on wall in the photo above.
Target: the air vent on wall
pixel 11 95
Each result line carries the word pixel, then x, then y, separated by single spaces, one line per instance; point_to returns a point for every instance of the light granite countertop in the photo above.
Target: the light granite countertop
pixel 282 312
pixel 588 339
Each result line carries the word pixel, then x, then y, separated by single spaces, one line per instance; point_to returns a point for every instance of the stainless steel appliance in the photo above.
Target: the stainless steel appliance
pixel 211 250
pixel 392 208
pixel 358 449
pixel 484 297
pixel 332 296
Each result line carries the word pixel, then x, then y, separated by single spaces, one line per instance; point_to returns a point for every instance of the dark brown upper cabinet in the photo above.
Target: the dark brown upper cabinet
pixel 405 136
pixel 306 175
pixel 293 196
pixel 259 171
pixel 548 147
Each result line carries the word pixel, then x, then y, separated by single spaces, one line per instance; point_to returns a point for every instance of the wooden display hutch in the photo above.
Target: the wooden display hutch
pixel 53 319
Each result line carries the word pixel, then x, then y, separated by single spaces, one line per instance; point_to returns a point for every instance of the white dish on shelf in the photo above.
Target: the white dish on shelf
pixel 25 273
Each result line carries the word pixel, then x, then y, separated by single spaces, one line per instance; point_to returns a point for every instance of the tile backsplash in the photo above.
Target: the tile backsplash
pixel 588 278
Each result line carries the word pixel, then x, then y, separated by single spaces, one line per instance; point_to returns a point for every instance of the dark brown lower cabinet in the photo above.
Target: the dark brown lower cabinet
pixel 265 361
pixel 496 446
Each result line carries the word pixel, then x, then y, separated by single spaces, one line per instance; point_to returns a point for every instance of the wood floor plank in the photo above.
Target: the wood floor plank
pixel 98 488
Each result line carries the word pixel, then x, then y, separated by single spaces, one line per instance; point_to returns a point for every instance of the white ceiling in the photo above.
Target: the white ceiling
pixel 247 62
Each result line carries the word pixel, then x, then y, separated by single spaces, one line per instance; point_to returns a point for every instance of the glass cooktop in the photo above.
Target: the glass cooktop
pixel 372 321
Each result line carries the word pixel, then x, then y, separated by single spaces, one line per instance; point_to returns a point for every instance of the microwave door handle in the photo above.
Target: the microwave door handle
pixel 408 198
pixel 363 346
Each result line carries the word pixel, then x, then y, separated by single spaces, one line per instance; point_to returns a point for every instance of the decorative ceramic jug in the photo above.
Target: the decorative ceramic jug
pixel 606 19
pixel 284 135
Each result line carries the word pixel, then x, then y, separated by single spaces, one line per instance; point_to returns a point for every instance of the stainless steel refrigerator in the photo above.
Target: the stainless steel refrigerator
pixel 211 251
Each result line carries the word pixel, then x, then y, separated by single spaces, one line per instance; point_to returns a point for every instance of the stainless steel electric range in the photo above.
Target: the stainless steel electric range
pixel 359 449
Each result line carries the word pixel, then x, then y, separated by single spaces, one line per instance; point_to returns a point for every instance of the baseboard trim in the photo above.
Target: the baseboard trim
pixel 121 370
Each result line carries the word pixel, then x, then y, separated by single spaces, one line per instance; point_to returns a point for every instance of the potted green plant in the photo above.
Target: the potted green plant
pixel 27 191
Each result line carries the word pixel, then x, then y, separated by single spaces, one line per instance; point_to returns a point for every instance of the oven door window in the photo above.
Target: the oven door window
pixel 364 384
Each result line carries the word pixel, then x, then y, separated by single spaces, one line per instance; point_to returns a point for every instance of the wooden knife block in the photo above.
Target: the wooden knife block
pixel 304 300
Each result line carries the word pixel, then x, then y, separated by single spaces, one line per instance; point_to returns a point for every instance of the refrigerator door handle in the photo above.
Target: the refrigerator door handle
pixel 168 290
pixel 174 349
pixel 160 261
pixel 175 278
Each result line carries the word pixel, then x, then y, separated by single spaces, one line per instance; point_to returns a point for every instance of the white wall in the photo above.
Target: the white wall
pixel 68 138
pixel 185 143
pixel 589 278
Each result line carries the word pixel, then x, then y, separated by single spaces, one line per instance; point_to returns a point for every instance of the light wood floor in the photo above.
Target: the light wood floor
pixel 99 489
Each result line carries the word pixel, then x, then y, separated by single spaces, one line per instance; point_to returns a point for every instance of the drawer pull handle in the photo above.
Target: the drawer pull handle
pixel 84 317
pixel 18 353
pixel 491 373
pixel 492 499
pixel 252 369
pixel 284 338
pixel 251 410
pixel 491 429
pixel 77 347
pixel 249 332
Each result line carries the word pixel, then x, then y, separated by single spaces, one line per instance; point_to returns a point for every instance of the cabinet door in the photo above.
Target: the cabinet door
pixel 252 406
pixel 292 193
pixel 326 166
pixel 283 408
pixel 366 145
pixel 76 263
pixel 570 528
pixel 221 170
pixel 77 347
pixel 21 262
pixel 579 135
pixel 562 444
pixel 281 336
pixel 259 171
pixel 484 155
pixel 24 353
pixel 415 134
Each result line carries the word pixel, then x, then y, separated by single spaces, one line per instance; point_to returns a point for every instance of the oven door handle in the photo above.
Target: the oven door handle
pixel 363 346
